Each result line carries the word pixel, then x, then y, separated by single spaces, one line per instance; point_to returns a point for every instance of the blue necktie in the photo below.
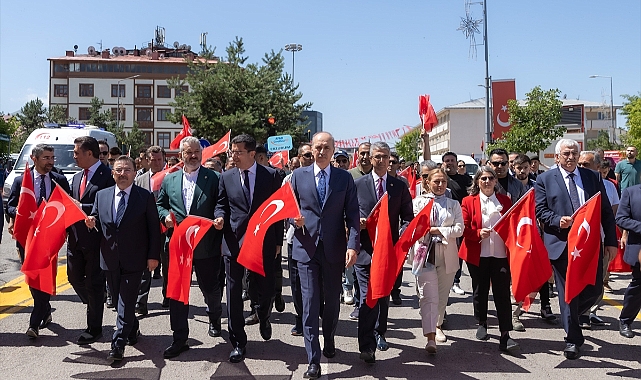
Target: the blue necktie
pixel 574 194
pixel 321 188
pixel 120 211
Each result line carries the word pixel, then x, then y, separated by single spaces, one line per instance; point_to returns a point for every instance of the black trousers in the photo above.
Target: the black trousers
pixel 261 289
pixel 632 297
pixel 124 290
pixel 164 259
pixel 41 304
pixel 145 282
pixel 294 283
pixel 207 278
pixel 371 321
pixel 396 291
pixel 255 282
pixel 497 272
pixel 88 280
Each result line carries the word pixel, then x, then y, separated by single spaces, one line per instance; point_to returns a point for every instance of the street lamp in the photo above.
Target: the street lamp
pixel 118 87
pixel 612 116
pixel 293 48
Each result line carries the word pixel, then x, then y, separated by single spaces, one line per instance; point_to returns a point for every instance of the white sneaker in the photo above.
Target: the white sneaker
pixel 348 297
pixel 431 347
pixel 440 337
pixel 457 289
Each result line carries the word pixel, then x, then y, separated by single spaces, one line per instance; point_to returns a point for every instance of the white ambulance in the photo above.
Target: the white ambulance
pixel 61 138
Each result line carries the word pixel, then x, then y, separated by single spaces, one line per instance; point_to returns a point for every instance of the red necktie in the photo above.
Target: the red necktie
pixel 380 188
pixel 83 184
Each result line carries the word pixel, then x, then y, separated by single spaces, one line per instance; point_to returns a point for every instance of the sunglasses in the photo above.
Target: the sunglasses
pixel 425 176
pixel 341 161
pixel 104 153
pixel 307 155
pixel 498 163
pixel 489 178
pixel 461 166
pixel 392 162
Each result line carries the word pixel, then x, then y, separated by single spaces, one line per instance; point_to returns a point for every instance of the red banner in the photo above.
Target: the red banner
pixel 26 210
pixel 221 146
pixel 186 131
pixel 156 179
pixel 502 91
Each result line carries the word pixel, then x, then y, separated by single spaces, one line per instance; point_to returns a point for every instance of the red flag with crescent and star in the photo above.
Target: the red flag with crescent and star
pixel 221 146
pixel 183 241
pixel 155 181
pixel 26 210
pixel 281 205
pixel 383 270
pixel 279 159
pixel 426 112
pixel 584 245
pixel 529 263
pixel 410 175
pixel 46 237
pixel 186 131
pixel 502 91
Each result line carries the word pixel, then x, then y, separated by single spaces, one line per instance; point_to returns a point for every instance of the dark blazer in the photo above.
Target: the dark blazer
pixel 553 202
pixel 233 209
pixel 399 208
pixel 206 197
pixel 79 236
pixel 340 211
pixel 144 181
pixel 470 250
pixel 136 239
pixel 629 218
pixel 515 188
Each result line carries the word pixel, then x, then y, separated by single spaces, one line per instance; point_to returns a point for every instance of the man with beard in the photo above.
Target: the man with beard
pixel 364 166
pixel 628 171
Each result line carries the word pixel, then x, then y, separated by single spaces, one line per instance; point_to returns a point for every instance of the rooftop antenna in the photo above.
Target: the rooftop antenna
pixel 160 36
pixel 100 44
pixel 203 41
pixel 75 48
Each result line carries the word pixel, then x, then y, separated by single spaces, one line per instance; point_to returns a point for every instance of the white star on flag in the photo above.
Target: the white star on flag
pixel 504 108
pixel 182 257
pixel 576 254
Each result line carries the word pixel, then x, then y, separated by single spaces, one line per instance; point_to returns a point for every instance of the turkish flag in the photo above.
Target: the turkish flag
pixel 385 263
pixel 502 91
pixel 156 179
pixel 26 210
pixel 617 264
pixel 186 131
pixel 183 241
pixel 222 146
pixel 417 228
pixel 372 219
pixel 354 160
pixel 426 112
pixel 584 245
pixel 281 205
pixel 279 159
pixel 46 237
pixel 410 175
pixel 529 263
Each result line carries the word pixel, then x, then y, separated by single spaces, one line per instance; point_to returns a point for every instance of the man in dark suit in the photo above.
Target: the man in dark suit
pixel 83 245
pixel 559 193
pixel 193 191
pixel 44 181
pixel 130 244
pixel 629 219
pixel 242 190
pixel 372 322
pixel 322 248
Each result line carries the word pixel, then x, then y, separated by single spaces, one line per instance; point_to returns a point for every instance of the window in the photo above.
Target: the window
pixel 86 89
pixel 144 91
pixel 147 136
pixel 163 113
pixel 181 90
pixel 164 139
pixel 114 90
pixel 123 113
pixel 143 114
pixel 164 92
pixel 83 114
pixel 60 90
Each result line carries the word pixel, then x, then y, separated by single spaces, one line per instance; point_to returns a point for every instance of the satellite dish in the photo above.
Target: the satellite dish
pixel 162 55
pixel 114 50
pixel 122 51
pixel 148 53
pixel 91 50
pixel 183 46
pixel 176 44
pixel 189 47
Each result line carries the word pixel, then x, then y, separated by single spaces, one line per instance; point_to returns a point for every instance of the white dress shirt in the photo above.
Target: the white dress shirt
pixel 252 179
pixel 36 184
pixel 189 185
pixel 577 180
pixel 491 208
pixel 376 177
pixel 117 198
pixel 317 171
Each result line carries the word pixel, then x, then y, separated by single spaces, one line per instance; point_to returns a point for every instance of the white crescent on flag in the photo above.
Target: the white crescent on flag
pixel 28 191
pixel 60 209
pixel 585 226
pixel 190 235
pixel 522 222
pixel 279 206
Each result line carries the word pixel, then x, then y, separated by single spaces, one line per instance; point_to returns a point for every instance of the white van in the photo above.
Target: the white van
pixel 61 138
pixel 471 166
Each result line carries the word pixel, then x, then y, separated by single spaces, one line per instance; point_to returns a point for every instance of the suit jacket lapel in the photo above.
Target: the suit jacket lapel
pixel 372 188
pixel 201 183
pixel 332 178
pixel 178 188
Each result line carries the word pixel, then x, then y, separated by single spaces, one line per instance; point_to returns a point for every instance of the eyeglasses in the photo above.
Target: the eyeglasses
pixel 573 153
pixel 461 166
pixel 498 163
pixel 306 155
pixel 425 176
pixel 583 164
pixel 111 159
pixel 392 162
pixel 488 178
pixel 380 158
pixel 120 171
pixel 104 153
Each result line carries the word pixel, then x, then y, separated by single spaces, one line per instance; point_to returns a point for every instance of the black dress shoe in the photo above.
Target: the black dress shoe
pixel 88 338
pixel 368 356
pixel 165 303
pixel 329 351
pixel 116 354
pixel 45 322
pixel 507 344
pixel 297 330
pixel 109 302
pixel 481 332
pixel 252 319
pixel 237 355
pixel 381 343
pixel 245 295
pixel 265 329
pixel 214 330
pixel 625 330
pixel 156 275
pixel 33 333
pixel 313 372
pixel 571 351
pixel 584 322
pixel 279 303
pixel 396 299
pixel 133 337
pixel 142 310
pixel 175 349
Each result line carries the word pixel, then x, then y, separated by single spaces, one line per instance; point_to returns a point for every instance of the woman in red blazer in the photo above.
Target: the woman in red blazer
pixel 485 254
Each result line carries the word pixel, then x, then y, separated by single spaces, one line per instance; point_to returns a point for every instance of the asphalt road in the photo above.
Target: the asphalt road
pixel 55 355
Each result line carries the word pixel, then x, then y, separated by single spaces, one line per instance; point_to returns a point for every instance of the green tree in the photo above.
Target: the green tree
pixel 603 142
pixel 409 144
pixel 8 126
pixel 31 116
pixel 239 96
pixel 134 140
pixel 105 119
pixel 534 125
pixel 632 111
pixel 57 114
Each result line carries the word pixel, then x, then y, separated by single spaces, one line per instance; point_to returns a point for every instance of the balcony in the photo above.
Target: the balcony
pixel 143 101
pixel 145 124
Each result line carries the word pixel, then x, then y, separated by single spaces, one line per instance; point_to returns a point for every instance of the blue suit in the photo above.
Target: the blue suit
pixel 552 203
pixel 320 247
pixel 629 219
pixel 125 248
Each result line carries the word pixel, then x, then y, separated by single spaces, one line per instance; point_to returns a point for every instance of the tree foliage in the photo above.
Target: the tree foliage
pixel 239 96
pixel 9 126
pixel 632 111
pixel 602 142
pixel 534 125
pixel 57 114
pixel 409 144
pixel 135 139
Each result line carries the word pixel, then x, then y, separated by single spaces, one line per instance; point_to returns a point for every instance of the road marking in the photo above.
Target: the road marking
pixel 16 295
pixel 617 304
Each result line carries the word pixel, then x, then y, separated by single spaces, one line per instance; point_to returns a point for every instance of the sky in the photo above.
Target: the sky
pixel 363 63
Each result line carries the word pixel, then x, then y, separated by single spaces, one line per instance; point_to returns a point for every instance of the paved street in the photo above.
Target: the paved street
pixel 55 355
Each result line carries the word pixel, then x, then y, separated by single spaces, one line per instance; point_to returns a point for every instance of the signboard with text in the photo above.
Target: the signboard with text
pixel 279 143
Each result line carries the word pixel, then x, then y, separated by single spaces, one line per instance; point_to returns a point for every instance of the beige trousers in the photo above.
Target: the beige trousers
pixel 433 291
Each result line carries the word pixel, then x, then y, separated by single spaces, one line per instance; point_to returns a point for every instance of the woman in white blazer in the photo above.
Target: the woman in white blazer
pixel 435 260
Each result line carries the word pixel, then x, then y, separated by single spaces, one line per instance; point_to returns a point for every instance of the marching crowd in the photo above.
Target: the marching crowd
pixel 114 253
